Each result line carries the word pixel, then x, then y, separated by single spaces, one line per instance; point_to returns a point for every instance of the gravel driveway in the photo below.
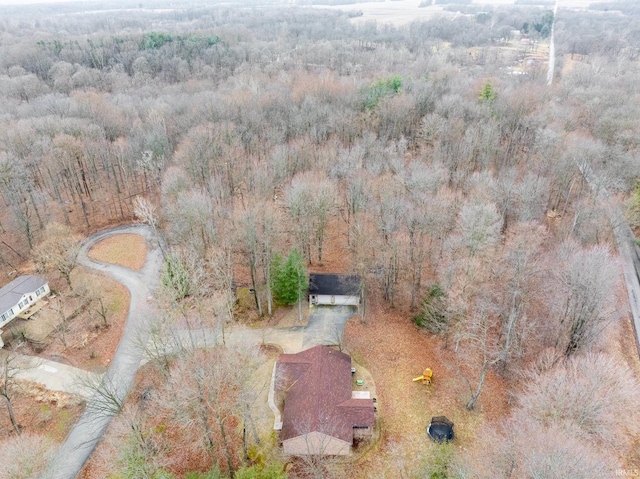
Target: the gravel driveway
pixel 100 409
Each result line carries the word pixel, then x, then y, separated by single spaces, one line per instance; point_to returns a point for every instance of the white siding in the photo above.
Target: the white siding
pixel 26 300
pixel 338 300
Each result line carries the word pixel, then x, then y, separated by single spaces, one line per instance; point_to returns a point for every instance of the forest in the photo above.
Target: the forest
pixel 432 158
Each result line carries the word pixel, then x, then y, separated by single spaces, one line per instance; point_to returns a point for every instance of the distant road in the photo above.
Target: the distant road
pixel 552 48
pixel 627 247
pixel 88 431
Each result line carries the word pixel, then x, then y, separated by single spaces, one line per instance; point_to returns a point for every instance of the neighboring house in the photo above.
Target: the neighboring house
pixel 339 289
pixel 322 415
pixel 19 294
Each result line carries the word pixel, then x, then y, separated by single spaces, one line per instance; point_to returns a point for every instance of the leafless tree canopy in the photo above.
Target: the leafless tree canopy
pixel 419 155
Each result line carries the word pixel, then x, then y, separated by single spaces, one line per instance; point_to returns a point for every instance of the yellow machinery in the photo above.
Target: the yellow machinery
pixel 425 378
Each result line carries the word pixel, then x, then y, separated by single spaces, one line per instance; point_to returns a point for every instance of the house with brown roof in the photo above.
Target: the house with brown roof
pixel 321 413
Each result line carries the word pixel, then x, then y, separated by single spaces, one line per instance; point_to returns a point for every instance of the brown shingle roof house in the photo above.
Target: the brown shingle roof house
pixel 320 416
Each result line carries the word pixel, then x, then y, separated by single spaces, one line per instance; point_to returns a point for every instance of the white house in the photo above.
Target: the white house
pixel 336 289
pixel 19 294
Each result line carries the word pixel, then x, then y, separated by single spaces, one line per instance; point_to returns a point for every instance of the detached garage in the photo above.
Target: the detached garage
pixel 338 289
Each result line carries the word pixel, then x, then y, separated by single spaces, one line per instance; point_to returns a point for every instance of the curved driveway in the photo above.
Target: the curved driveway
pixel 87 432
pixel 325 326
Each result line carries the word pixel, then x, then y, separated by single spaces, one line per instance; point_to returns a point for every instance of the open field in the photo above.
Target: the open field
pixel 401 12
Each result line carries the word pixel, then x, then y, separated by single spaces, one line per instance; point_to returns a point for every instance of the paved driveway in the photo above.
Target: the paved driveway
pixel 326 325
pixel 101 407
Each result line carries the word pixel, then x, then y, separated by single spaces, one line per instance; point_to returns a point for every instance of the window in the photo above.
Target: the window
pixel 20 305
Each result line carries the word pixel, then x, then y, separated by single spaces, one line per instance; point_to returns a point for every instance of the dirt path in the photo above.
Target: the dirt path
pixel 87 432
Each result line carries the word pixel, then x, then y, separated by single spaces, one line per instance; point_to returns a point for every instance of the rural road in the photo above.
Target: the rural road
pixel 83 438
pixel 625 239
pixel 552 47
pixel 627 247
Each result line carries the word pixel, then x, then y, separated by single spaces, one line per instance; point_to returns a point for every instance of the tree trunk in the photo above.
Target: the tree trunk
pixel 204 418
pixel 268 286
pixel 245 452
pixel 252 271
pixel 12 416
pixel 223 434
pixel 363 303
pixel 67 278
pixel 474 397
pixel 299 296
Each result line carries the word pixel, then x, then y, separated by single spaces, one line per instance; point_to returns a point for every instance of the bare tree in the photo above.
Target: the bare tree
pixel 207 390
pixel 189 219
pixel 389 209
pixel 525 448
pixel 224 278
pixel 135 445
pixel 18 193
pixel 585 286
pixel 417 222
pixel 354 201
pixel 517 272
pixel 311 201
pixel 594 397
pixel 145 211
pixel 487 294
pixel 25 456
pixel 479 225
pixel 481 347
pixel 252 254
pixel 576 414
pixel 58 251
pixel 8 371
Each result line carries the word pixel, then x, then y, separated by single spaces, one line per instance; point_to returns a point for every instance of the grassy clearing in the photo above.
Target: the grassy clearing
pixel 128 250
